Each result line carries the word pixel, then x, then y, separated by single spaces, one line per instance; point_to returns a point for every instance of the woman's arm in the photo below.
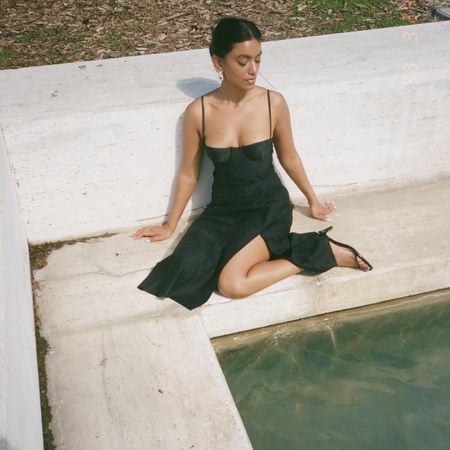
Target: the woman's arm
pixel 187 176
pixel 290 159
pixel 189 171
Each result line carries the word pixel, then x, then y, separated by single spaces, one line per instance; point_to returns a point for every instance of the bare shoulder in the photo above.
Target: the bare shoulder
pixel 277 101
pixel 194 108
pixel 193 116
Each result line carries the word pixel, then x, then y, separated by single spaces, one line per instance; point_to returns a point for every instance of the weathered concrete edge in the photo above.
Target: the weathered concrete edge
pixel 205 414
pixel 327 296
pixel 19 381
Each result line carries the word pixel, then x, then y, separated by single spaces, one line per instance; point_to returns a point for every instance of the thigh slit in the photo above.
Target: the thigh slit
pixel 239 259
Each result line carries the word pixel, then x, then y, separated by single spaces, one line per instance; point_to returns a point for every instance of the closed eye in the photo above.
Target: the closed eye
pixel 242 65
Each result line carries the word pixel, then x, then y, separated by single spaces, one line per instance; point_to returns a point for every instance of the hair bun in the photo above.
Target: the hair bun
pixel 231 30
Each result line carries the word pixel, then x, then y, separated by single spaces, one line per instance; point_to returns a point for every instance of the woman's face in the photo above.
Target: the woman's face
pixel 240 66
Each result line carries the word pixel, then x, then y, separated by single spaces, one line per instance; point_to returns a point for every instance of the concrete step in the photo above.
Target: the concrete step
pixel 128 369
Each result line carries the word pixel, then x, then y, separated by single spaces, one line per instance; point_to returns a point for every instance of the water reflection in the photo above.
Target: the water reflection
pixel 373 378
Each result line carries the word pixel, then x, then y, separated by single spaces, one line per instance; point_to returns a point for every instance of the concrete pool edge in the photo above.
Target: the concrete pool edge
pixel 243 338
pixel 319 370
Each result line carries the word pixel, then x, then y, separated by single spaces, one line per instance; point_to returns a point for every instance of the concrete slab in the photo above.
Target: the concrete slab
pixel 113 346
pixel 20 411
pixel 141 384
pixel 95 145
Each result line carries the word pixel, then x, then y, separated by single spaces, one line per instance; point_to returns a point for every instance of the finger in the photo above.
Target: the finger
pixel 150 232
pixel 138 233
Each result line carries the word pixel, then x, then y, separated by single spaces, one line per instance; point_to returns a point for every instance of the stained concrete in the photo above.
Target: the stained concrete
pixel 126 367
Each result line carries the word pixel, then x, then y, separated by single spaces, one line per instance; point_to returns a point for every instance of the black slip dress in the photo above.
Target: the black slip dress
pixel 247 199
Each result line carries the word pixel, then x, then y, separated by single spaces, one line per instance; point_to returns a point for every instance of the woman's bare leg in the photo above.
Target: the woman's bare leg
pixel 250 270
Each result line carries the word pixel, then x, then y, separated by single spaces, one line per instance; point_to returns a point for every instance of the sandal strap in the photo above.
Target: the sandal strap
pixel 326 230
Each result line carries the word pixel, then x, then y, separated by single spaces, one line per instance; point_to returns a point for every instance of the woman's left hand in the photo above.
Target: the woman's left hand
pixel 320 210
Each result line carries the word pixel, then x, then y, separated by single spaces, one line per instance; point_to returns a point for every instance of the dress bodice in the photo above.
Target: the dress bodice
pixel 244 165
pixel 254 151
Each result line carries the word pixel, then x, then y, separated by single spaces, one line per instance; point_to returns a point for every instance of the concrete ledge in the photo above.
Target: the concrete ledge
pixel 141 384
pixel 403 231
pixel 113 346
pixel 95 145
pixel 20 407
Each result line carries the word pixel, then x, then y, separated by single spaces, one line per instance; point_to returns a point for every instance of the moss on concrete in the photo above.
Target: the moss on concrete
pixel 38 259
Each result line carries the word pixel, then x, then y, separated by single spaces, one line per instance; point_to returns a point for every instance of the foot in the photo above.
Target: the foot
pixel 346 258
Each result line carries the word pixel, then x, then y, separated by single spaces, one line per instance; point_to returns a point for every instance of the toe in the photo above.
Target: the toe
pixel 362 265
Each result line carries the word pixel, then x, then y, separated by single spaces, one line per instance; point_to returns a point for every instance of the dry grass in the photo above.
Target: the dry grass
pixel 34 33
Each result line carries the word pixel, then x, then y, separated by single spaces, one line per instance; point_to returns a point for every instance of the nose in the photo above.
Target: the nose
pixel 253 68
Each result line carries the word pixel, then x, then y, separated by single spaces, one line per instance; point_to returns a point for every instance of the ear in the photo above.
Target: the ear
pixel 217 63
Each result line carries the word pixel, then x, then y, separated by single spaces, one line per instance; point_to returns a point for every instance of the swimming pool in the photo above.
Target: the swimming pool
pixel 376 377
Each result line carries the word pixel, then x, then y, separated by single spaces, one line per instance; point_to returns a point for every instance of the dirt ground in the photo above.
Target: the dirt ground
pixel 40 32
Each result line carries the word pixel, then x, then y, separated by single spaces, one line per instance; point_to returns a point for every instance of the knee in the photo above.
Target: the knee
pixel 232 288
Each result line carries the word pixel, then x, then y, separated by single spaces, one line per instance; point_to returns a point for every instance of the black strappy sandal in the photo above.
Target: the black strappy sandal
pixel 355 253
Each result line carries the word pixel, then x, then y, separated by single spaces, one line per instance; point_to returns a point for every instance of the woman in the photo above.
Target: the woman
pixel 241 242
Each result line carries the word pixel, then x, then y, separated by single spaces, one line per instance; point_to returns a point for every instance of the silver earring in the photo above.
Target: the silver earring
pixel 220 76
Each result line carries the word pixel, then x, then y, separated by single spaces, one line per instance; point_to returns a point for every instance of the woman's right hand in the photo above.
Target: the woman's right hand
pixel 155 233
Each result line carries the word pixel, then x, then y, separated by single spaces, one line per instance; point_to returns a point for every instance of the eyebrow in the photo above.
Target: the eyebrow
pixel 249 56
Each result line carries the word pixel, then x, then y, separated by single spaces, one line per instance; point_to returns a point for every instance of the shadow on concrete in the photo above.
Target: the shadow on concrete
pixel 195 87
pixel 304 210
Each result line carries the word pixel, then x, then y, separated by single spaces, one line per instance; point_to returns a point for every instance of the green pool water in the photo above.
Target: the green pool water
pixel 372 378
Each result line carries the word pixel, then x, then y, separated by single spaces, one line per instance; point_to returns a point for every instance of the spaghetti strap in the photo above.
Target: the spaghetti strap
pixel 203 121
pixel 270 115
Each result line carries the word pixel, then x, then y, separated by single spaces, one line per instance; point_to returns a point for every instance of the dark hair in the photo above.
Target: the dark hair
pixel 229 31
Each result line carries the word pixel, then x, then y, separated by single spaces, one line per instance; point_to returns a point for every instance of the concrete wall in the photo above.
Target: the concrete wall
pixel 95 145
pixel 20 414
